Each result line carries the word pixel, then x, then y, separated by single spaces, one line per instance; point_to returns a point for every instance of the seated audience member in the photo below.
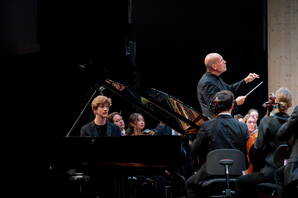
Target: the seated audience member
pixel 100 126
pixel 136 125
pixel 264 147
pixel 289 132
pixel 221 132
pixel 117 119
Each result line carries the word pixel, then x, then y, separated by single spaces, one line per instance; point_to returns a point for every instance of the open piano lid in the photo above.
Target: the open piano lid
pixel 161 106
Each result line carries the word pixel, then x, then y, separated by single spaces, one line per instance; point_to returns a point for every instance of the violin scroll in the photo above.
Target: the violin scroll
pixel 270 103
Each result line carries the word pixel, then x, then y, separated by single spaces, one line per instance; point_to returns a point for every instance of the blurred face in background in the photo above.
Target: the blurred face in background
pixel 118 120
pixel 251 124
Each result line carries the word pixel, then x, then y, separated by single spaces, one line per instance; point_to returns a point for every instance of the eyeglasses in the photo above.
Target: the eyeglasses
pixel 251 122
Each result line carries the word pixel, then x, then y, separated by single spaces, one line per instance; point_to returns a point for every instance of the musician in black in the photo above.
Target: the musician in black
pixel 263 149
pixel 288 132
pixel 211 83
pixel 221 132
pixel 100 126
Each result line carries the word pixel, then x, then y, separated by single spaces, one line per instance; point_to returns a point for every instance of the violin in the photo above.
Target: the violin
pixel 270 104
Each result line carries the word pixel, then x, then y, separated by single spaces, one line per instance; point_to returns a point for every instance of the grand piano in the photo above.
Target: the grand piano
pixel 162 106
pixel 132 155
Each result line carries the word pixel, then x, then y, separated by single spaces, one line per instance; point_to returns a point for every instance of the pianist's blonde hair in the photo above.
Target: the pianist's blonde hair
pixel 98 100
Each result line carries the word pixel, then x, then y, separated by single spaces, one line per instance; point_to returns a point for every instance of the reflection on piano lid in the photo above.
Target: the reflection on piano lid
pixel 161 106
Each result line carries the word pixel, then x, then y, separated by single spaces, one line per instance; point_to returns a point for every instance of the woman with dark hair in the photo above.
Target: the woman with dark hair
pixel 136 125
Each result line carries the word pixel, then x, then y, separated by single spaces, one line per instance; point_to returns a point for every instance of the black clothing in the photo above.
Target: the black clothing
pixel 162 129
pixel 209 85
pixel 221 132
pixel 91 129
pixel 101 130
pixel 266 143
pixel 104 181
pixel 288 131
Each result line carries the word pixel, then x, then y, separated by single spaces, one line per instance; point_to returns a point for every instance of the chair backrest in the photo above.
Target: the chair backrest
pixel 281 153
pixel 214 168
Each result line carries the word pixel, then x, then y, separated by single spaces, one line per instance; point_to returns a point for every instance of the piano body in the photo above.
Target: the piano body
pixel 132 155
pixel 130 151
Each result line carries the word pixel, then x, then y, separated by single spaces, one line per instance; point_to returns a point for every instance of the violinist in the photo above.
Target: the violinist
pixel 265 145
pixel 288 132
pixel 251 123
pixel 269 104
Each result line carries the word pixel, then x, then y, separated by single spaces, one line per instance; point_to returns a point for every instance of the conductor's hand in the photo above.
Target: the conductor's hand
pixel 251 77
pixel 240 100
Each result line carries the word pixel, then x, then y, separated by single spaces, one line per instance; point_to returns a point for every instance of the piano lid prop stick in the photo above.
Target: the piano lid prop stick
pixel 254 88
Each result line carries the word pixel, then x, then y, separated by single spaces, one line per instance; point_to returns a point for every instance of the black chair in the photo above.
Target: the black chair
pixel 223 166
pixel 274 190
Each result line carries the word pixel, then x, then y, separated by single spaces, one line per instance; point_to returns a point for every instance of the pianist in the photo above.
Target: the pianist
pixel 100 126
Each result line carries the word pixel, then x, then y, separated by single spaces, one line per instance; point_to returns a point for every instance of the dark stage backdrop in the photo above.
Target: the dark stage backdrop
pixel 159 44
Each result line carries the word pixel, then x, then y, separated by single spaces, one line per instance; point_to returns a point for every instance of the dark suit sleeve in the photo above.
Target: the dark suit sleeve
pixel 113 130
pixel 117 132
pixel 84 132
pixel 209 90
pixel 238 87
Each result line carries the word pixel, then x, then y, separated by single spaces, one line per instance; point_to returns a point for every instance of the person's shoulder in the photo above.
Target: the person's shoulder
pixel 241 124
pixel 271 120
pixel 208 82
pixel 210 123
pixel 295 112
pixel 265 119
pixel 87 124
pixel 113 126
pixel 207 76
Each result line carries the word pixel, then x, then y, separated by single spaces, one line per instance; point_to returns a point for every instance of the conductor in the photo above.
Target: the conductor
pixel 211 83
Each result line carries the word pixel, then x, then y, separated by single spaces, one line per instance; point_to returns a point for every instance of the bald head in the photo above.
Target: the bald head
pixel 215 63
pixel 211 59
